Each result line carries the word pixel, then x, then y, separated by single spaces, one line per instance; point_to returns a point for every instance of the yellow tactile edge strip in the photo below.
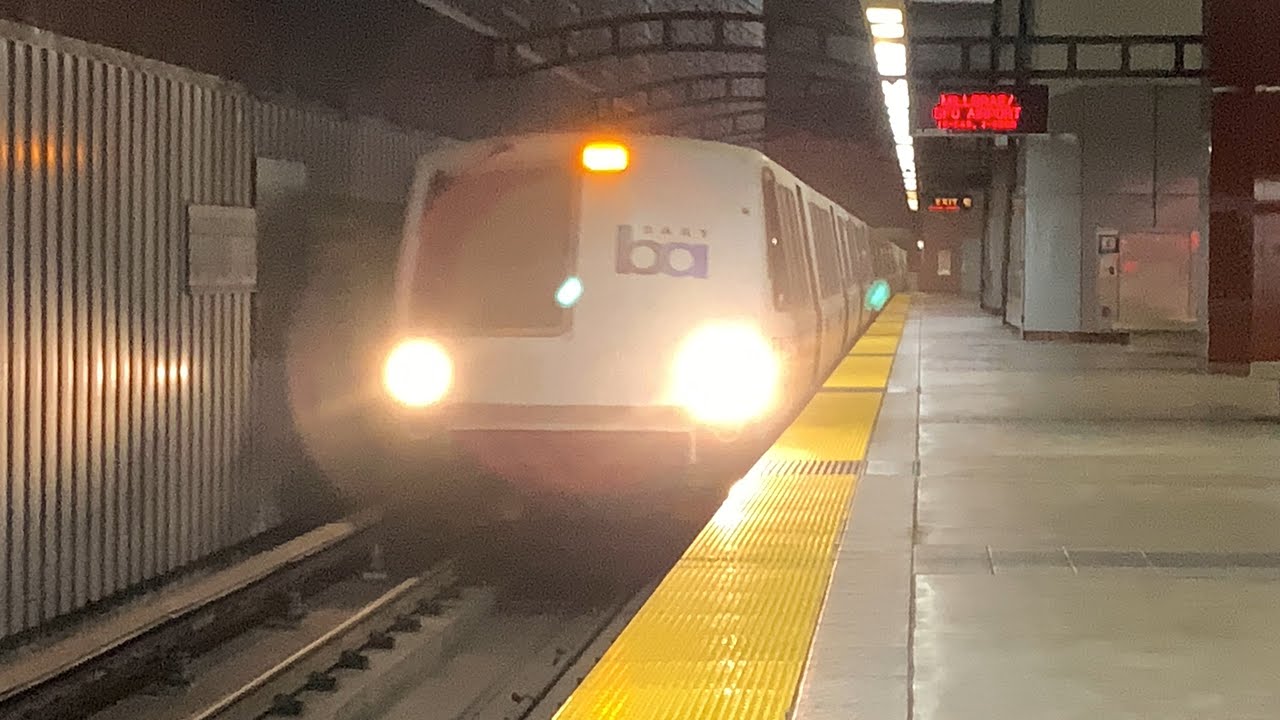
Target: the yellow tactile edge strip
pixel 727 632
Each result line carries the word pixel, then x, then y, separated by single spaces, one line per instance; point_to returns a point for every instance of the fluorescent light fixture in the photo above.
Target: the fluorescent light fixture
pixel 888 31
pixel 888 27
pixel 897 94
pixel 891 58
pixel 884 15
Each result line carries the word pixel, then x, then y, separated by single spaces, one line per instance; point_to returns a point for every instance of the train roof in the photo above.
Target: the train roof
pixel 535 145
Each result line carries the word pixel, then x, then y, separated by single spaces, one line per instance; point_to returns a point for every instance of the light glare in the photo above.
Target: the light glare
pixel 878 295
pixel 726 375
pixel 418 373
pixel 569 293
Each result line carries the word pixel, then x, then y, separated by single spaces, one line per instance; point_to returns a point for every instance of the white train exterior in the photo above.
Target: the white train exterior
pixel 564 286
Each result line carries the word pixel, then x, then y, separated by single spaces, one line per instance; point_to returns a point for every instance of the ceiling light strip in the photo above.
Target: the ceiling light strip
pixel 888 28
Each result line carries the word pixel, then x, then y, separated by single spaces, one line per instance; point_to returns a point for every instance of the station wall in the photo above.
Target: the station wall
pixel 1142 173
pixel 126 413
pixel 952 253
pixel 1125 159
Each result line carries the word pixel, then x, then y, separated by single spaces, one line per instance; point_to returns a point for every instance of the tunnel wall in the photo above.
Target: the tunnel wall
pixel 126 413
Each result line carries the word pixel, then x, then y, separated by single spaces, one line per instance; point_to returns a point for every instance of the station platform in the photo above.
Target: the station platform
pixel 965 525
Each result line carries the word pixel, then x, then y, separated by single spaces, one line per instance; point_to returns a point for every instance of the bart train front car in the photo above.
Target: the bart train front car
pixel 591 314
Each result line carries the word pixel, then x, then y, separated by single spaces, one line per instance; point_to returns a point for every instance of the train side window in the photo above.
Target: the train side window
pixel 859 254
pixel 779 271
pixel 796 263
pixel 850 258
pixel 824 243
pixel 846 267
pixel 868 269
pixel 837 232
pixel 833 256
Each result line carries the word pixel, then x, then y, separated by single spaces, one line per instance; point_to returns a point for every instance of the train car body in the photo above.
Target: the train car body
pixel 586 315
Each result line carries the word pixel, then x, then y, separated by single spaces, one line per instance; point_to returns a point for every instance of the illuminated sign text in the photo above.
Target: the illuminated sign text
pixel 951 204
pixel 997 111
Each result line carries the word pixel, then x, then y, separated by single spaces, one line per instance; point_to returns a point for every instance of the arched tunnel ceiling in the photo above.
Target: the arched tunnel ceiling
pixel 822 118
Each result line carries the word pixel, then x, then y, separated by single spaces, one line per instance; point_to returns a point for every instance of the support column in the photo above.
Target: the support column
pixel 1244 234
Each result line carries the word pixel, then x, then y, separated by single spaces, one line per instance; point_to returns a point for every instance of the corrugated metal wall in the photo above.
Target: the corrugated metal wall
pixel 362 159
pixel 124 409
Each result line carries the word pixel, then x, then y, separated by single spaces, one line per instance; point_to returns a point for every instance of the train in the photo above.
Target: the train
pixel 598 314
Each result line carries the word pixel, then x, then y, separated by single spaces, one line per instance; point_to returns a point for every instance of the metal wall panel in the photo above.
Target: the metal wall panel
pixel 123 408
pixel 355 158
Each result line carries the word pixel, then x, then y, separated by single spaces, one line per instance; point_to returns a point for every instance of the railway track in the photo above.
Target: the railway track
pixel 148 645
pixel 309 631
pixel 338 671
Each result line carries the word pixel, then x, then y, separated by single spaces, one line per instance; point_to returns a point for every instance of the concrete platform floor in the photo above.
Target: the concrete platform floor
pixel 1092 532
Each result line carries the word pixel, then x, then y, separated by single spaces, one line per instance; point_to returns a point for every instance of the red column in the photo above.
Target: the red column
pixel 1244 235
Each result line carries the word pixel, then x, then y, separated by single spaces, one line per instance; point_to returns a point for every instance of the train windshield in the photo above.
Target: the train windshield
pixel 495 250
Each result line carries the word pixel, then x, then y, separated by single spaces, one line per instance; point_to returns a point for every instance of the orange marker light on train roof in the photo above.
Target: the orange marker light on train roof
pixel 605 157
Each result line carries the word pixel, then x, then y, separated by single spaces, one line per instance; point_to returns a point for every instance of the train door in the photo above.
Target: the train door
pixel 830 287
pixel 846 279
pixel 790 282
pixel 811 267
pixel 857 286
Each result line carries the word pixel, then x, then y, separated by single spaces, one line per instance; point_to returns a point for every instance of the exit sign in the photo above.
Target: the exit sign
pixel 951 204
pixel 996 110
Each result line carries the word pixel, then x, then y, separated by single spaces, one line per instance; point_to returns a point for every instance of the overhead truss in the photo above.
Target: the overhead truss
pixel 829 55
pixel 1027 57
pixel 680 93
pixel 1061 57
pixel 624 36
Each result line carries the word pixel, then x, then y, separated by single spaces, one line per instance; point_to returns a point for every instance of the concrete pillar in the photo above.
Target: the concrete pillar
pixel 1244 247
pixel 999 206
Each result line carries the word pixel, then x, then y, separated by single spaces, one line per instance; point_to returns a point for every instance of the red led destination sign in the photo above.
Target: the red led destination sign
pixel 997 111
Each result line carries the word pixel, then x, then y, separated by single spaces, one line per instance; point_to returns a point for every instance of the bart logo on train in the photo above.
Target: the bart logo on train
pixel 646 256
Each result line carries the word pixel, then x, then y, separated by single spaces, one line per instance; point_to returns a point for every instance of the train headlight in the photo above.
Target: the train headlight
pixel 417 373
pixel 726 375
